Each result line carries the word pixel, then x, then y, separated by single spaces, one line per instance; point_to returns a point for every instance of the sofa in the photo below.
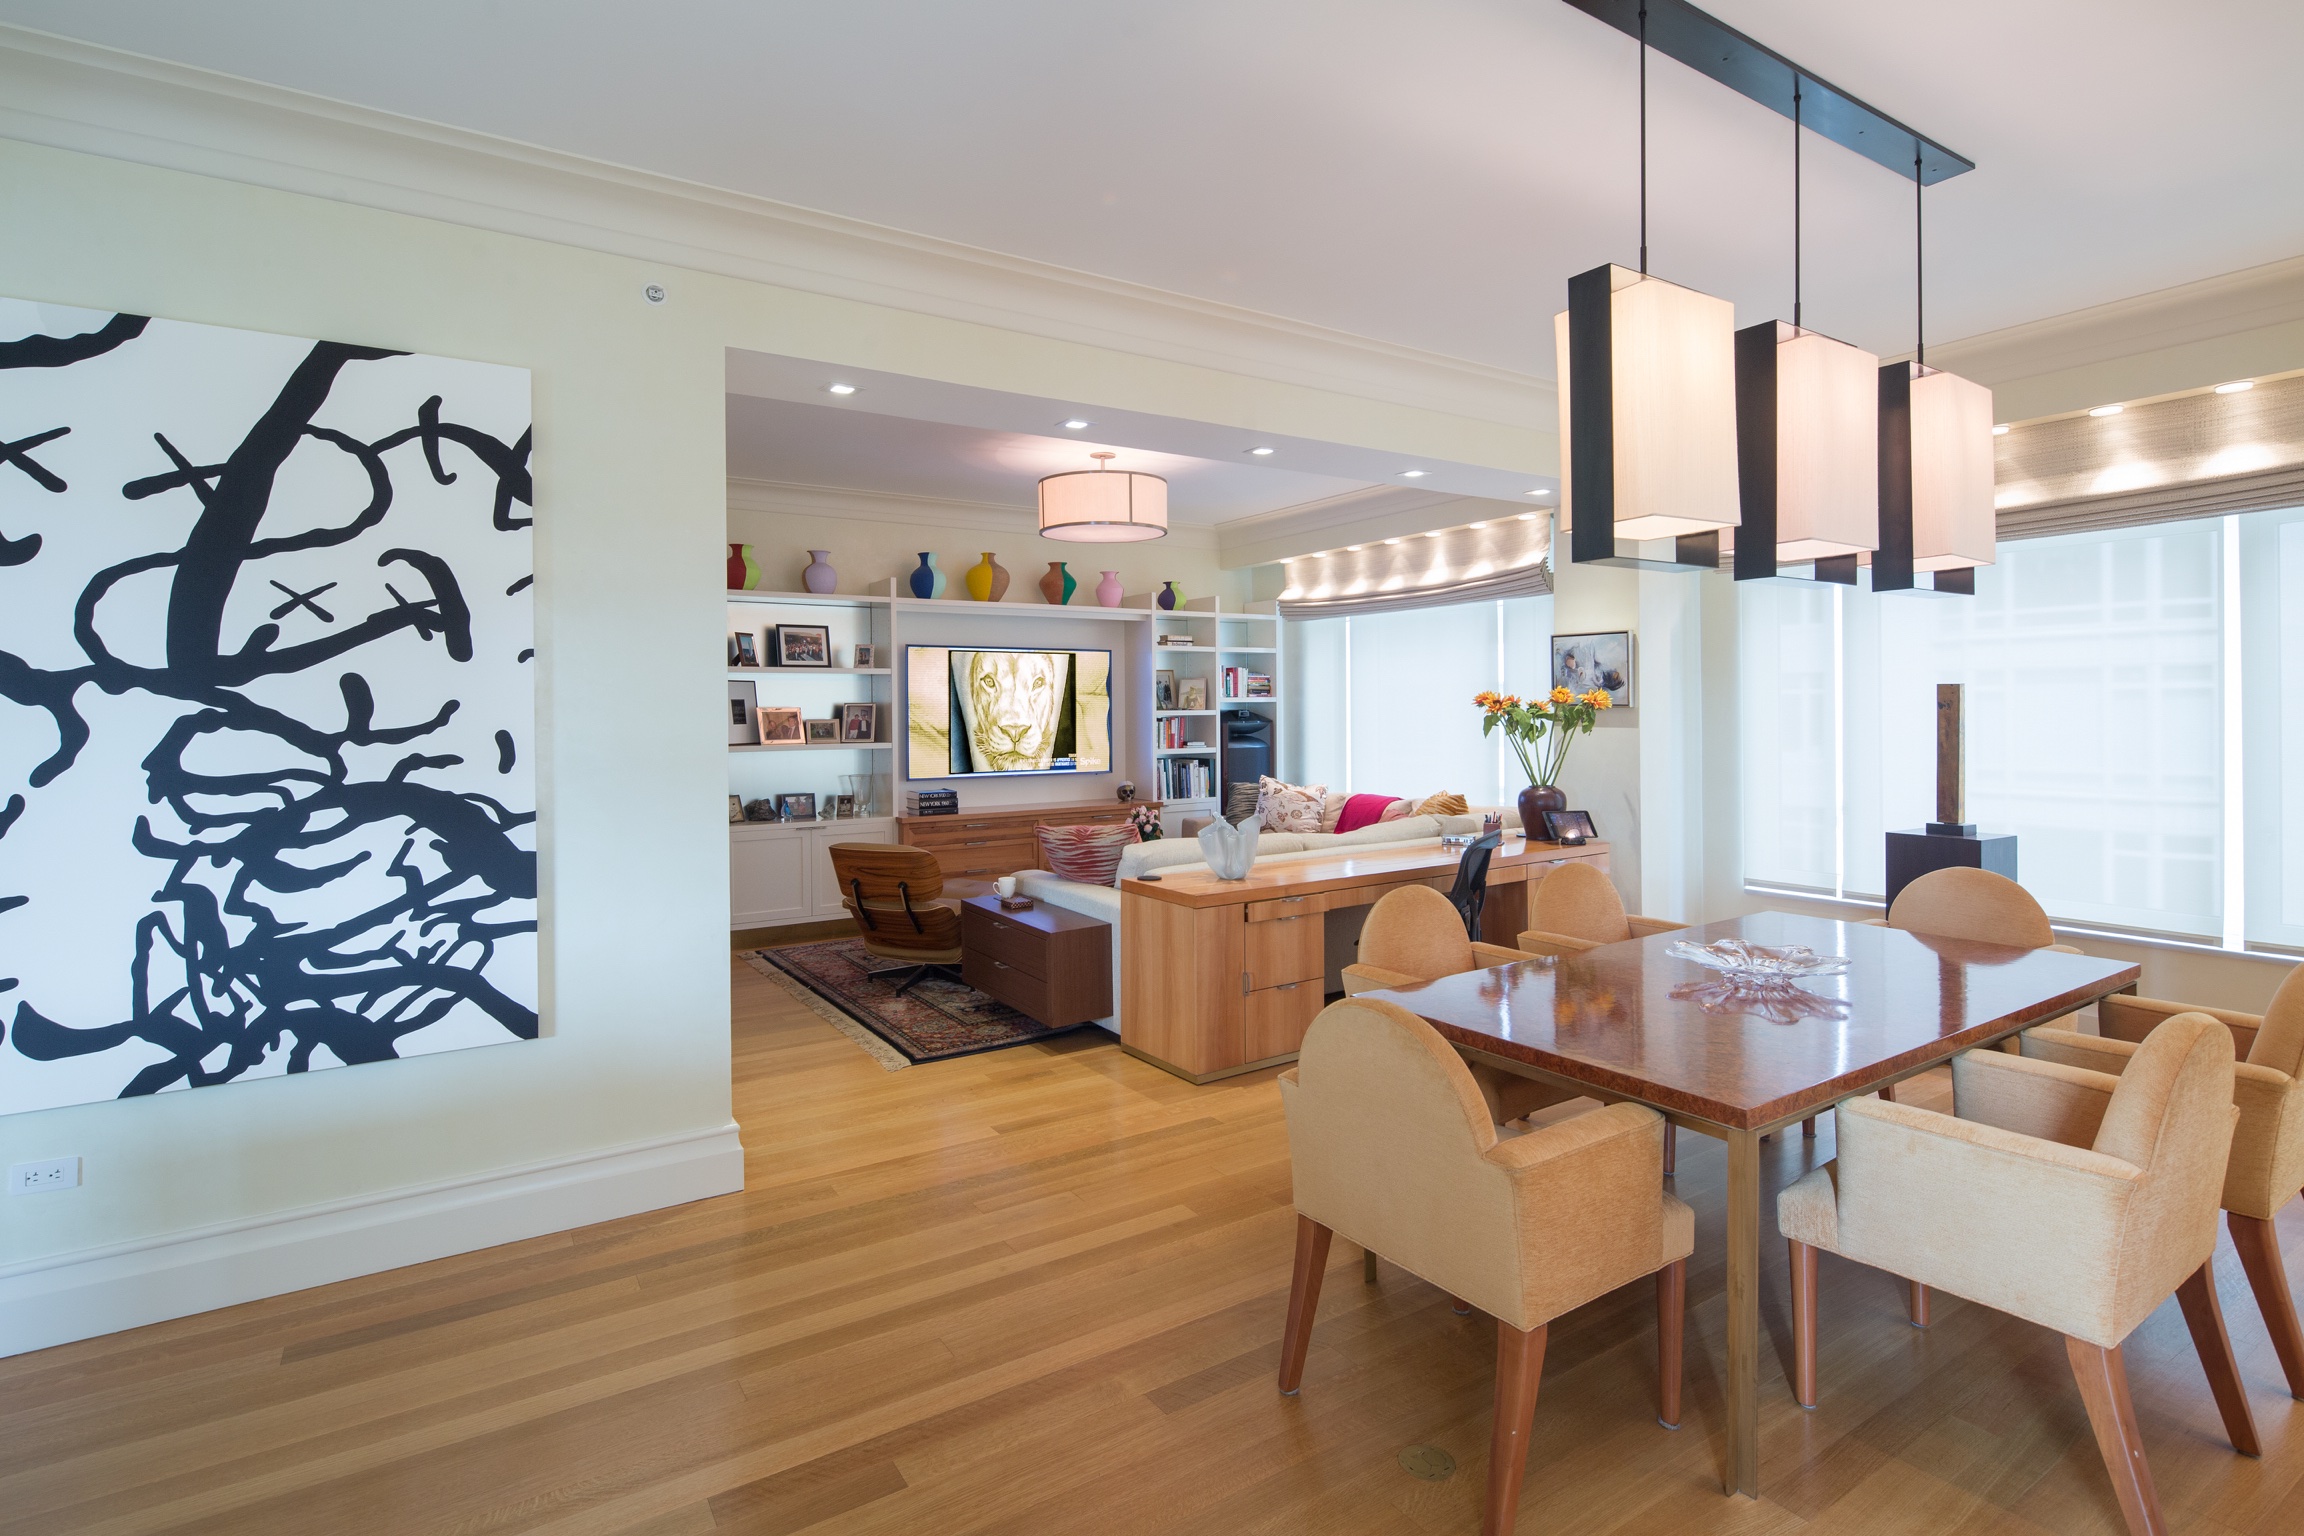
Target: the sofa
pixel 1102 902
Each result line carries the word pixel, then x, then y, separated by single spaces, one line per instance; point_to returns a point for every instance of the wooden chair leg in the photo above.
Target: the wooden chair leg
pixel 1671 1147
pixel 2103 1379
pixel 1803 1324
pixel 1303 1299
pixel 1916 1302
pixel 1671 1333
pixel 1889 1093
pixel 2205 1318
pixel 1519 1364
pixel 2259 1249
pixel 1808 1129
pixel 1367 1266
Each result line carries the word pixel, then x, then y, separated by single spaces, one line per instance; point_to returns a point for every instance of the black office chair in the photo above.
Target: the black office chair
pixel 1470 892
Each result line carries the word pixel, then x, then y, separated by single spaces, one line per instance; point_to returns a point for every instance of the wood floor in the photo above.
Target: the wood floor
pixel 1041 1291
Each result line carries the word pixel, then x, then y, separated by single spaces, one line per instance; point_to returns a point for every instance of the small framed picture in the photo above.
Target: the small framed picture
pixel 1192 693
pixel 859 722
pixel 867 656
pixel 741 651
pixel 1570 827
pixel 796 807
pixel 1163 689
pixel 1604 661
pixel 779 725
pixel 735 809
pixel 844 806
pixel 801 645
pixel 743 713
pixel 822 730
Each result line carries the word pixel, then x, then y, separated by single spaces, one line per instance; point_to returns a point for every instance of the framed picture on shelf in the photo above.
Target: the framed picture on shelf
pixel 1570 827
pixel 823 730
pixel 1192 693
pixel 741 651
pixel 1603 661
pixel 796 807
pixel 859 722
pixel 743 714
pixel 735 809
pixel 780 726
pixel 801 645
pixel 867 656
pixel 844 806
pixel 1163 689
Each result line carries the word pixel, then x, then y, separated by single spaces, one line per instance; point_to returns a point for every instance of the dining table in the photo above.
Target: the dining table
pixel 1737 1057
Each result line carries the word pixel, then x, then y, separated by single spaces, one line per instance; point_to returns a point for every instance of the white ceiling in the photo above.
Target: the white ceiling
pixel 1427 174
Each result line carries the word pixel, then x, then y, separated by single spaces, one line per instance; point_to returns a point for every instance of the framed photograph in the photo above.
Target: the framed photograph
pixel 867 656
pixel 1571 827
pixel 1192 693
pixel 859 722
pixel 743 714
pixel 779 725
pixel 741 651
pixel 822 730
pixel 800 645
pixel 1163 689
pixel 1586 662
pixel 796 807
pixel 844 806
pixel 735 809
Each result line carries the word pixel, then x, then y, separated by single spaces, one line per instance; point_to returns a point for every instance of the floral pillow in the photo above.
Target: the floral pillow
pixel 1289 807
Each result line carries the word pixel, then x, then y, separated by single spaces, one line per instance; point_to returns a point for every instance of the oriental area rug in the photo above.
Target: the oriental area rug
pixel 934 1020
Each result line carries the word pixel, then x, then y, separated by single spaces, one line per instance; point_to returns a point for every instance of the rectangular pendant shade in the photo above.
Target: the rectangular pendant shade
pixel 1807 446
pixel 1936 471
pixel 1647 411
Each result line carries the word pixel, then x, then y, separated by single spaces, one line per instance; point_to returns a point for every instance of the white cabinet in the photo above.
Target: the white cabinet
pixel 783 873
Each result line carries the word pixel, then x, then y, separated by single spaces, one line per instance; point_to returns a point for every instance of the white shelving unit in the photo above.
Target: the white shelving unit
pixel 1214 636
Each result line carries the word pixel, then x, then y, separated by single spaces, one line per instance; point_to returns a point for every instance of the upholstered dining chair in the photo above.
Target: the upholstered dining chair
pixel 906 910
pixel 2266 1168
pixel 1393 1147
pixel 2066 1197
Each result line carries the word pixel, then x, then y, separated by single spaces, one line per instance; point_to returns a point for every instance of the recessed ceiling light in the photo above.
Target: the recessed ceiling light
pixel 1353 549
pixel 839 389
pixel 1076 425
pixel 2001 430
pixel 1526 517
pixel 1475 527
pixel 1388 543
pixel 2108 410
pixel 2236 386
pixel 1412 474
pixel 1539 491
pixel 1260 452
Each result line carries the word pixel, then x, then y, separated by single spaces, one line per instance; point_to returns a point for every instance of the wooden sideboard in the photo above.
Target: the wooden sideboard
pixel 983 845
pixel 1219 977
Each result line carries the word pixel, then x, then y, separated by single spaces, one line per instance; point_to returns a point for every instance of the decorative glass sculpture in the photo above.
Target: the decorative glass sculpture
pixel 1756 980
pixel 1228 849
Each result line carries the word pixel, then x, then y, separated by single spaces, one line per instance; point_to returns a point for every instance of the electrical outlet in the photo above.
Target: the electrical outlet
pixel 37 1178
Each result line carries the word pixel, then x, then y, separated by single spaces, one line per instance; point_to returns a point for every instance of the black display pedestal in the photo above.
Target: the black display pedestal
pixel 1913 854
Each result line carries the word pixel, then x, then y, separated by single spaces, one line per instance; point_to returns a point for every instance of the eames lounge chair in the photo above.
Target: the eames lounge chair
pixel 2065 1197
pixel 2266 1168
pixel 906 910
pixel 1392 1146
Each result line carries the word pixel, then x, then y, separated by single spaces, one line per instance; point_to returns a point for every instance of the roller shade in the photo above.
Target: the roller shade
pixel 1476 563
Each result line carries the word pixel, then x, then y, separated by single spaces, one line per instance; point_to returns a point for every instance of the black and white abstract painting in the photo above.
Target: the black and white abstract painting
pixel 267 706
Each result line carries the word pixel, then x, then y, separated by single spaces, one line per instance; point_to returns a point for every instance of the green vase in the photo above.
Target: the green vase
pixel 1058 585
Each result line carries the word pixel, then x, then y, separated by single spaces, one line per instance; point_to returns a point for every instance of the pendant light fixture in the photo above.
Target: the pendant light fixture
pixel 1647 405
pixel 1101 506
pixel 1936 502
pixel 1807 437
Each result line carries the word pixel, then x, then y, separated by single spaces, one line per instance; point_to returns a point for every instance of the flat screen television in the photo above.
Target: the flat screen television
pixel 984 711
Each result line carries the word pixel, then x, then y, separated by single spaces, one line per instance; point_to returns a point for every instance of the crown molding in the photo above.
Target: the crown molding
pixel 778 498
pixel 1355 517
pixel 70 95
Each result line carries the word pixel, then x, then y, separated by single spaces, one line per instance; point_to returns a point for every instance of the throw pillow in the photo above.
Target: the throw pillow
pixel 1365 811
pixel 1446 803
pixel 1288 807
pixel 1332 811
pixel 1090 854
pixel 1398 810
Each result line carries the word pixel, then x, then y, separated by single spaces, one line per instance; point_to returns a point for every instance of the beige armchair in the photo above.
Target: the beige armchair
pixel 1393 1147
pixel 2071 1199
pixel 2267 1163
pixel 1414 935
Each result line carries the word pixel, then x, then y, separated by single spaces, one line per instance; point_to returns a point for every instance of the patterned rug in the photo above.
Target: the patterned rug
pixel 933 1021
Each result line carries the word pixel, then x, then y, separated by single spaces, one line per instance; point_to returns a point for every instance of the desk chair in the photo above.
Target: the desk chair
pixel 1392 1146
pixel 1470 892
pixel 907 911
pixel 2070 1199
pixel 2267 1164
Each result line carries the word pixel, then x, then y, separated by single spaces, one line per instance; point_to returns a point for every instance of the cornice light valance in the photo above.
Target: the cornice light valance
pixel 1477 563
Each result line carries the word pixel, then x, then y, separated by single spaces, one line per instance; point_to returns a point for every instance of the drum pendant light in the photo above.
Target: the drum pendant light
pixel 1807 438
pixel 1100 506
pixel 1647 401
pixel 1936 503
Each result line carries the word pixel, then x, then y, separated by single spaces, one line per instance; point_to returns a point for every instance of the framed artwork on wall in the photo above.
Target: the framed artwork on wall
pixel 1582 663
pixel 801 645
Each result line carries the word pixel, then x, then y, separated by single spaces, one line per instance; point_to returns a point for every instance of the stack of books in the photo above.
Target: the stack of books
pixel 931 802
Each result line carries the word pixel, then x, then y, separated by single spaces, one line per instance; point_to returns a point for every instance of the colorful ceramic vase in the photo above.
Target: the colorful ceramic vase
pixel 743 570
pixel 927 579
pixel 1170 598
pixel 1058 586
pixel 1108 590
pixel 820 577
pixel 987 579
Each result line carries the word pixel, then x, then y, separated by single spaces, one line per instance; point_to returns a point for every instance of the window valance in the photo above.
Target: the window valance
pixel 1476 563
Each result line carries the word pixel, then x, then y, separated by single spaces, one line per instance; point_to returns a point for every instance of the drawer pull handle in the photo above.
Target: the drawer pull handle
pixel 1290 987
pixel 976 871
pixel 1291 900
pixel 975 826
pixel 977 842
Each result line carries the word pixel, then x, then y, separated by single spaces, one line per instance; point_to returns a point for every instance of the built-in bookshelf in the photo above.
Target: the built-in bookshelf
pixel 1224 661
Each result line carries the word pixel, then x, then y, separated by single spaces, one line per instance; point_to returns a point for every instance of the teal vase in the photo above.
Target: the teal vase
pixel 927 579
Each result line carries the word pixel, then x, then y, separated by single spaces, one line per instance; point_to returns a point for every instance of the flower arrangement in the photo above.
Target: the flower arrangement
pixel 1146 821
pixel 1540 731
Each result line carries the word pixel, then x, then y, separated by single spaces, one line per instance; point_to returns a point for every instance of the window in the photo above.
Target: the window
pixel 2271 634
pixel 1382 703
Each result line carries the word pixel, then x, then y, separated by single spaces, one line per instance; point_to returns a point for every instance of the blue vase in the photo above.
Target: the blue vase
pixel 927 580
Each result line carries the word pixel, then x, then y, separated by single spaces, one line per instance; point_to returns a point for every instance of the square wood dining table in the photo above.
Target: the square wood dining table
pixel 1634 1022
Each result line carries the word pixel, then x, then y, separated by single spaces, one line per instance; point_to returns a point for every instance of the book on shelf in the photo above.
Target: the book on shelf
pixel 1259 686
pixel 931 802
pixel 1187 778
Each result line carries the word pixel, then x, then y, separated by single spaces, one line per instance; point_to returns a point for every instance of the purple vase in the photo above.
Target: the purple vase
pixel 1108 590
pixel 819 577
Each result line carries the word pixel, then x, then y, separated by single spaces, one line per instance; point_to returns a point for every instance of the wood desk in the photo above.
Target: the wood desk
pixel 1621 1022
pixel 1219 977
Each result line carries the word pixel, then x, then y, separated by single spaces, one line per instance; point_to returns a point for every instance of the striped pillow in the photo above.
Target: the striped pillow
pixel 1090 854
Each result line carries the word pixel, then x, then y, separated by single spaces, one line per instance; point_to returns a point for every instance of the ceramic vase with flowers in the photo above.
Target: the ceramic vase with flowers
pixel 1540 733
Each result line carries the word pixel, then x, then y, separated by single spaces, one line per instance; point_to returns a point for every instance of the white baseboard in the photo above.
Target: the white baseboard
pixel 103 1290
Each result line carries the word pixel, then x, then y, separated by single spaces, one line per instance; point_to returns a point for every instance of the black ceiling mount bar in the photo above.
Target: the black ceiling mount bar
pixel 1711 47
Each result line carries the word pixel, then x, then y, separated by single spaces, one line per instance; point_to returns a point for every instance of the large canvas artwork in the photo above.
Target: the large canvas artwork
pixel 267 719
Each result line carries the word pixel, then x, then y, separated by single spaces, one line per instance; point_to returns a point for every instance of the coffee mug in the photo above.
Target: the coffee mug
pixel 1005 885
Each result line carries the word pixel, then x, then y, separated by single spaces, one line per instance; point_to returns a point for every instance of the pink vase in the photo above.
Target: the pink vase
pixel 1108 590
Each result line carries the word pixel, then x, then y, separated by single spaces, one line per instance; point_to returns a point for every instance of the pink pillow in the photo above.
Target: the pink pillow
pixel 1362 811
pixel 1089 854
